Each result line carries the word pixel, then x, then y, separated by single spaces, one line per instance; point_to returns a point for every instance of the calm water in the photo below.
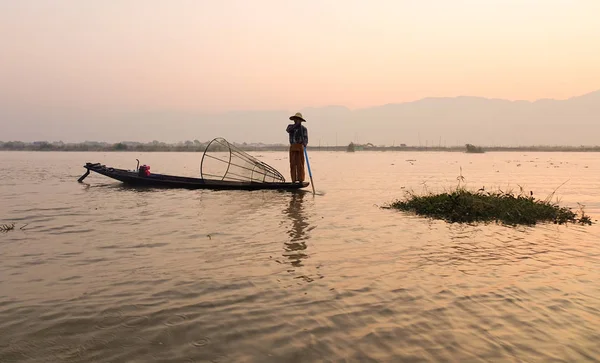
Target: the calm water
pixel 106 273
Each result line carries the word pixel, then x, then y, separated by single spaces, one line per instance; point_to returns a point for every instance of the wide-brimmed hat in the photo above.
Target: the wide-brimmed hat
pixel 297 116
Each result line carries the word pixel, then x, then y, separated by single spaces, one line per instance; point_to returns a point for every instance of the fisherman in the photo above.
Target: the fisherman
pixel 298 141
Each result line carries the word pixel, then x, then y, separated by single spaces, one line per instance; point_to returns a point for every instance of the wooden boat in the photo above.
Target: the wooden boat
pixel 223 167
pixel 171 181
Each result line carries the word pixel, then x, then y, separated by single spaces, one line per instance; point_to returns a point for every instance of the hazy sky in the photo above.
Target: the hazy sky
pixel 222 55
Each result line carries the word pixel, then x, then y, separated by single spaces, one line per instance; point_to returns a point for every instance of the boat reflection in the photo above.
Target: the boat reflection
pixel 296 246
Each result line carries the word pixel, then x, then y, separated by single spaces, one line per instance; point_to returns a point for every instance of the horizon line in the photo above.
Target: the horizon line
pixel 263 144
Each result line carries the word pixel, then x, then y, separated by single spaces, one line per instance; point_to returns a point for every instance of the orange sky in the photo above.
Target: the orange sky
pixel 226 55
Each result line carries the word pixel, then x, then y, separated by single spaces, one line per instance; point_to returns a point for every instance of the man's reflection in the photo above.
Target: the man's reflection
pixel 297 243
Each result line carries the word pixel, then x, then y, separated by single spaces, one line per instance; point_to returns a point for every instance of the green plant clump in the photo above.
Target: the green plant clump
pixel 7 227
pixel 464 206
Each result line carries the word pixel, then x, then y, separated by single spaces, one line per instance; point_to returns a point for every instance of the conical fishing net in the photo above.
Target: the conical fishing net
pixel 224 161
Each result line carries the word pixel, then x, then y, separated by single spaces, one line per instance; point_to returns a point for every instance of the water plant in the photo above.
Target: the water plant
pixel 461 205
pixel 7 227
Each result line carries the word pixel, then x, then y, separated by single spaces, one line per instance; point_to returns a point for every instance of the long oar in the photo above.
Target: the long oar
pixel 309 172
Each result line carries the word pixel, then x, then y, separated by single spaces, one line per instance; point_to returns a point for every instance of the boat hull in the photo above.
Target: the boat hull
pixel 171 181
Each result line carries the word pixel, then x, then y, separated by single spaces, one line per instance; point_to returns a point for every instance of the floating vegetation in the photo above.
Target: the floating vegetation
pixel 7 227
pixel 464 206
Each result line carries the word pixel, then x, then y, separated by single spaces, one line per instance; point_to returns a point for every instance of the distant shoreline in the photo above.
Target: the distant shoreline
pixel 200 147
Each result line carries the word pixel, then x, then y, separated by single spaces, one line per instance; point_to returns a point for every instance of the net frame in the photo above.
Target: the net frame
pixel 259 172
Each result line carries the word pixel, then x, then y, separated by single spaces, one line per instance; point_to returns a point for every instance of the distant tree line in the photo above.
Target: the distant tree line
pixel 474 149
pixel 187 146
pixel 198 146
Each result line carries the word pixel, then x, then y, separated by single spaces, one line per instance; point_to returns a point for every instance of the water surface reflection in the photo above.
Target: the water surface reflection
pixel 295 248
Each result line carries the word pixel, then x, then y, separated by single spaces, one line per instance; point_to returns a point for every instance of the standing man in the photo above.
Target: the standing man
pixel 298 141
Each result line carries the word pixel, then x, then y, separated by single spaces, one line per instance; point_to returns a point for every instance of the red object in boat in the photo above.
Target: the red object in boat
pixel 144 170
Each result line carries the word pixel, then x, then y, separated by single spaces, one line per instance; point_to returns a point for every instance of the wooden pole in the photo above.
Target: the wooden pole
pixel 309 171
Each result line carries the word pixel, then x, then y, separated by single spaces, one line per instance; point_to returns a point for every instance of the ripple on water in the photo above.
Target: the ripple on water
pixel 108 273
pixel 150 245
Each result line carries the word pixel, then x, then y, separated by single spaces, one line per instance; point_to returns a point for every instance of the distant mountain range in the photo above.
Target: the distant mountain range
pixel 461 120
pixel 430 121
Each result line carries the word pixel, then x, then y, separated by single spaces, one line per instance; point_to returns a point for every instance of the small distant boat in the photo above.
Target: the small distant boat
pixel 223 167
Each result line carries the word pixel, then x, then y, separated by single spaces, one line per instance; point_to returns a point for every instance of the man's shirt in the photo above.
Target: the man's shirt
pixel 298 135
